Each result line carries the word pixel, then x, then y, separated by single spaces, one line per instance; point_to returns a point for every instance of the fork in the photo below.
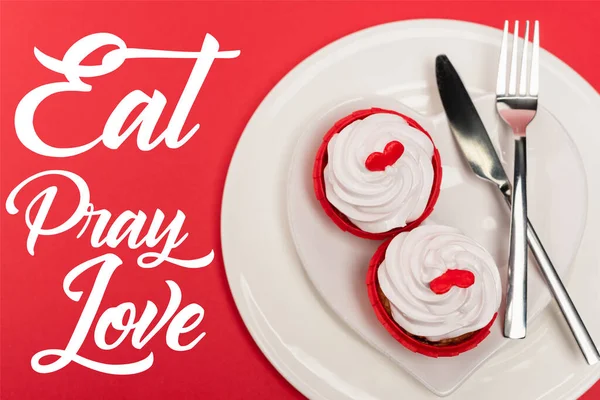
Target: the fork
pixel 517 109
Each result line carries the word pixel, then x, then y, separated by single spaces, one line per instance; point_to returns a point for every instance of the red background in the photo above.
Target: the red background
pixel 273 37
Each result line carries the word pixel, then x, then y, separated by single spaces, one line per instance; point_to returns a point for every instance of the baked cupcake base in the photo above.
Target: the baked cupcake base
pixel 445 342
pixel 338 217
pixel 443 348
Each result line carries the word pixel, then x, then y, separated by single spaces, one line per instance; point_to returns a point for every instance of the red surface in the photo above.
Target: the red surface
pixel 337 216
pixel 398 333
pixel 273 37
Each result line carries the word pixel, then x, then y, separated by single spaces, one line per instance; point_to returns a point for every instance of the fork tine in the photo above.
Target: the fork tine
pixel 512 83
pixel 501 81
pixel 535 62
pixel 523 78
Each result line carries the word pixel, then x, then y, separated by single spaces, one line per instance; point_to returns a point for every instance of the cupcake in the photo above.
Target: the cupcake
pixel 377 173
pixel 435 290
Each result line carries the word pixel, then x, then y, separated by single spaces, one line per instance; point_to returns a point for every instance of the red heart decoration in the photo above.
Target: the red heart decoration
pixel 452 277
pixel 378 161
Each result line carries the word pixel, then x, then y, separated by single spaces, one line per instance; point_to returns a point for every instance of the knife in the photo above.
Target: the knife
pixel 476 146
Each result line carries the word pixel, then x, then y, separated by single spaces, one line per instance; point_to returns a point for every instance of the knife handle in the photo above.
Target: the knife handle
pixel 558 290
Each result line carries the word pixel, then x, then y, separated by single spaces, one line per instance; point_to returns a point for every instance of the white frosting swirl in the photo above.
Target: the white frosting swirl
pixel 413 259
pixel 378 201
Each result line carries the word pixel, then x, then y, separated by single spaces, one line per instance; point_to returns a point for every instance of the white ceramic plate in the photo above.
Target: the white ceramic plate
pixel 337 262
pixel 313 348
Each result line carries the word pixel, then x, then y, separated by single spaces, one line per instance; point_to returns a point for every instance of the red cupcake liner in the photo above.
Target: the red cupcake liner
pixel 399 334
pixel 337 216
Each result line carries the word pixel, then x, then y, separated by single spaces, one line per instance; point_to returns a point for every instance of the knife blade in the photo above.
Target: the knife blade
pixel 476 146
pixel 467 127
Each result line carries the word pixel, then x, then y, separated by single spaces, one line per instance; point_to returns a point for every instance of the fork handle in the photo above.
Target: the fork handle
pixel 558 290
pixel 515 317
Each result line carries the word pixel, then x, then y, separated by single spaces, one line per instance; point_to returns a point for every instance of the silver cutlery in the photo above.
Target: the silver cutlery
pixel 477 148
pixel 518 108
